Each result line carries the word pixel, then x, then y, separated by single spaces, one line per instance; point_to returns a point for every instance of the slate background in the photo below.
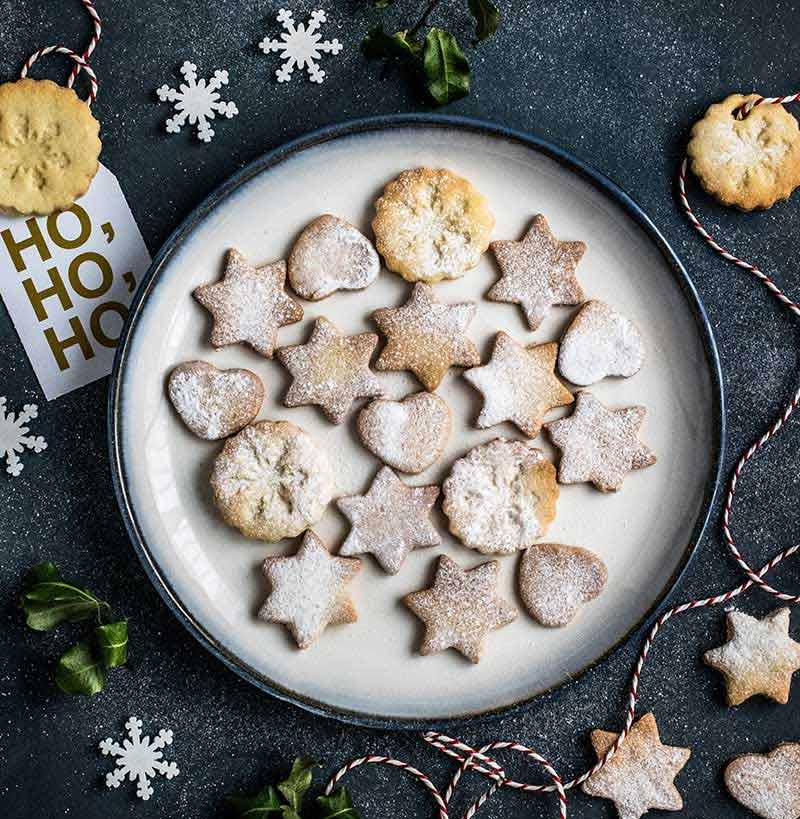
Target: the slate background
pixel 619 83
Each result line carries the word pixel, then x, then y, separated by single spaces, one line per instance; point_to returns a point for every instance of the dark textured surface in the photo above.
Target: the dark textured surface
pixel 618 83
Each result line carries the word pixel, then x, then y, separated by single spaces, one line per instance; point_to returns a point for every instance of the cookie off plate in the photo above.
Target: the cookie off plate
pixel 370 671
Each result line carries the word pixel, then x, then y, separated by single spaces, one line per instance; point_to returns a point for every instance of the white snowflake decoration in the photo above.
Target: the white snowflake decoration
pixel 198 101
pixel 301 45
pixel 139 758
pixel 14 436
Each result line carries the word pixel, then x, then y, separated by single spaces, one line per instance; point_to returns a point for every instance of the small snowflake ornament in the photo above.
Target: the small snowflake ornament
pixel 197 101
pixel 14 436
pixel 139 758
pixel 301 45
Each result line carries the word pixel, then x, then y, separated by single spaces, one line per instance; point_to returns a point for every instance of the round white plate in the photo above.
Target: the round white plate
pixel 370 671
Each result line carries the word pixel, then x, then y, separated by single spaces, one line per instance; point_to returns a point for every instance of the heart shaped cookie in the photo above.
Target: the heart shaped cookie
pixel 556 580
pixel 410 434
pixel 767 784
pixel 214 403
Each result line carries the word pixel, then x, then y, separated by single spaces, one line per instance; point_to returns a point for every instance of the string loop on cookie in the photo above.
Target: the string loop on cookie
pixel 743 110
pixel 93 41
pixel 79 61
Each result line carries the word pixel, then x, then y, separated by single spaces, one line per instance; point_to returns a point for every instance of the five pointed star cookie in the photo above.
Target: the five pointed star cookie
pixel 461 608
pixel 759 657
pixel 309 590
pixel 518 385
pixel 426 336
pixel 599 444
pixel 537 272
pixel 390 520
pixel 640 776
pixel 330 370
pixel 249 304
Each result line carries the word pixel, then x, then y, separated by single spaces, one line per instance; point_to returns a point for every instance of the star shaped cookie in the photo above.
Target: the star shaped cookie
pixel 461 608
pixel 537 272
pixel 390 520
pixel 249 304
pixel 599 444
pixel 759 657
pixel 309 590
pixel 426 336
pixel 331 370
pixel 518 385
pixel 640 776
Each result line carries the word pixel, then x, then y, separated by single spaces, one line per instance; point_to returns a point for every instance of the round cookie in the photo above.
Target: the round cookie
pixel 271 481
pixel 431 225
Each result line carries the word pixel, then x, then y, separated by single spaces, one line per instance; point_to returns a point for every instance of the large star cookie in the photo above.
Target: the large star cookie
pixel 309 590
pixel 330 370
pixel 538 272
pixel 640 776
pixel 599 444
pixel 767 784
pixel 426 336
pixel 461 608
pixel 759 657
pixel 249 304
pixel 390 520
pixel 518 385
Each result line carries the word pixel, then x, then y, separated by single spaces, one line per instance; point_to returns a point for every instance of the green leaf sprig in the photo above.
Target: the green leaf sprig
pixel 47 601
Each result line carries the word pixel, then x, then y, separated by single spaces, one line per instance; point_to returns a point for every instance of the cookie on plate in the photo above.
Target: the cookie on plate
pixel 431 225
pixel 767 784
pixel 271 481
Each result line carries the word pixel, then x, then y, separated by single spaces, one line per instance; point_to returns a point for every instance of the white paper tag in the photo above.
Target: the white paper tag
pixel 67 280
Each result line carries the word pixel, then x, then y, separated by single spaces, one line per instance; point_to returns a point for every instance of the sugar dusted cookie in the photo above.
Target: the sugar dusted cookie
pixel 271 481
pixel 214 403
pixel 249 304
pixel 331 370
pixel 767 784
pixel 759 657
pixel 426 337
pixel 599 444
pixel 501 496
pixel 431 225
pixel 600 342
pixel 518 385
pixel 461 608
pixel 329 255
pixel 389 521
pixel 537 272
pixel 310 590
pixel 749 162
pixel 409 435
pixel 556 580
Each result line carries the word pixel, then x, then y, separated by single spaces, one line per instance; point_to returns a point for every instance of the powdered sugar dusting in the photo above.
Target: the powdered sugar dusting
pixel 767 784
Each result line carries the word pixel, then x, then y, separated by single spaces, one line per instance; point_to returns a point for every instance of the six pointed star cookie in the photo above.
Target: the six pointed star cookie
pixel 390 520
pixel 599 444
pixel 309 590
pixel 641 774
pixel 759 657
pixel 537 272
pixel 426 336
pixel 330 370
pixel 518 385
pixel 461 608
pixel 249 304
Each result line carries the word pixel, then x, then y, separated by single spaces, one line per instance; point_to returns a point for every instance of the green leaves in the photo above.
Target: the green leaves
pixel 294 787
pixel 446 67
pixel 378 45
pixel 338 806
pixel 79 671
pixel 265 803
pixel 487 18
pixel 112 642
pixel 48 600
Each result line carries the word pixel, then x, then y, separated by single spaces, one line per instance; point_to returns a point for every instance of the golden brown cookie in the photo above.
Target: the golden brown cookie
pixel 750 162
pixel 767 784
pixel 431 225
pixel 49 147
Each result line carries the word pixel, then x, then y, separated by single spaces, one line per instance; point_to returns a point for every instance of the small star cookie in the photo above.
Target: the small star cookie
pixel 640 776
pixel 426 337
pixel 767 784
pixel 537 272
pixel 759 657
pixel 331 370
pixel 461 608
pixel 599 444
pixel 309 590
pixel 249 304
pixel 390 520
pixel 518 385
